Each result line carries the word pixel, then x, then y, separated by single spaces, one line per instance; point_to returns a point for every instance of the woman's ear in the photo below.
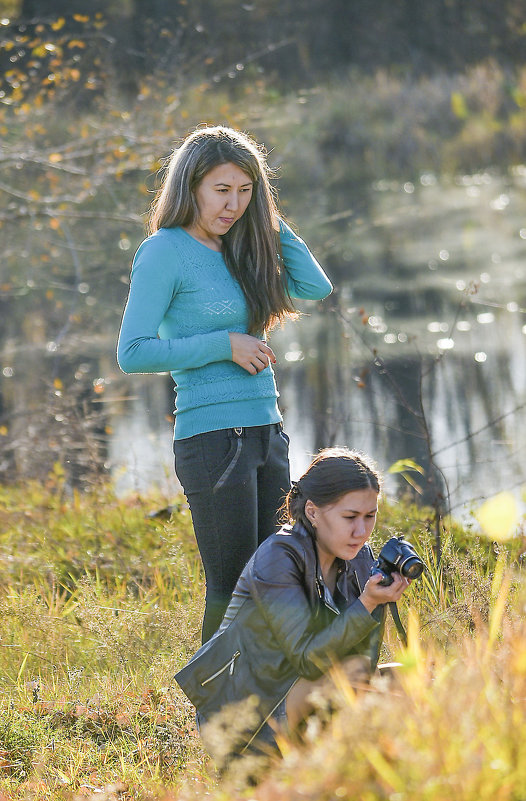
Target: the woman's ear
pixel 310 512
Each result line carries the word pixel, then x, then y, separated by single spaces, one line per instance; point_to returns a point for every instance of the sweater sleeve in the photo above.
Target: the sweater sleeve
pixel 282 601
pixel 155 280
pixel 305 277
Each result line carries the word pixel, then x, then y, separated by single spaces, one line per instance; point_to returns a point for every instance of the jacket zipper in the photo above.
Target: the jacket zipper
pixel 229 665
pixel 320 587
pixel 357 582
pixel 269 716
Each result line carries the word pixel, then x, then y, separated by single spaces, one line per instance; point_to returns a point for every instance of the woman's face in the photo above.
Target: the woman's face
pixel 343 528
pixel 222 198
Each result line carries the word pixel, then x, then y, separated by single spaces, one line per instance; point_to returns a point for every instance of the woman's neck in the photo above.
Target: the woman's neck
pixel 213 243
pixel 329 569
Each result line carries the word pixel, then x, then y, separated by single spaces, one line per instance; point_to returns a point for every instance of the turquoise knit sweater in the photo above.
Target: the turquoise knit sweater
pixel 183 302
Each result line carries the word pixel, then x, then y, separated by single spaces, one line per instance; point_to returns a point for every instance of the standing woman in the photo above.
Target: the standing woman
pixel 214 277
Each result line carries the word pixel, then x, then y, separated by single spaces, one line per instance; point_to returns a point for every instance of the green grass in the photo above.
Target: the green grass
pixel 101 603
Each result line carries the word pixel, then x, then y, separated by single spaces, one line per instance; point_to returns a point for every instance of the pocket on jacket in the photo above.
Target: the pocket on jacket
pixel 228 666
pixel 209 678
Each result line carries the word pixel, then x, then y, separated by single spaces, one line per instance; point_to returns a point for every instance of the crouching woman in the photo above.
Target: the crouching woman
pixel 304 601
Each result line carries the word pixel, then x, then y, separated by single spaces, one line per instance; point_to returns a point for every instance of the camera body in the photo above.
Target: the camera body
pixel 397 556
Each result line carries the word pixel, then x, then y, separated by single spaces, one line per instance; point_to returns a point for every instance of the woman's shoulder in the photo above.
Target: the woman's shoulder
pixel 164 237
pixel 293 536
pixel 165 243
pixel 289 544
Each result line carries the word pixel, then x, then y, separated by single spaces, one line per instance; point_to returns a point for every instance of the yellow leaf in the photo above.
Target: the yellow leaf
pixel 76 43
pixel 458 105
pixel 499 516
pixel 57 383
pixel 55 158
pixel 383 768
pixel 519 658
pixel 39 51
pixel 56 26
pixel 3 431
pixel 402 465
pixel 54 223
pixel 58 470
pixel 519 97
pixel 80 18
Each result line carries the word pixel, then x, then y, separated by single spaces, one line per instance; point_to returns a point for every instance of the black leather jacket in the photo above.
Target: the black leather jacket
pixel 282 624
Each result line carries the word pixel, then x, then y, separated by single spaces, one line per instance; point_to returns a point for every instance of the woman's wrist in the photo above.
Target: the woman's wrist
pixel 368 602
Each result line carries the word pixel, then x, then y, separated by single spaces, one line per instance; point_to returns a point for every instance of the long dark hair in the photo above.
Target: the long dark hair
pixel 332 474
pixel 251 248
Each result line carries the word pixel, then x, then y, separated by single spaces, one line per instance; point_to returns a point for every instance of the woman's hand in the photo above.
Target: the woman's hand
pixel 375 593
pixel 250 352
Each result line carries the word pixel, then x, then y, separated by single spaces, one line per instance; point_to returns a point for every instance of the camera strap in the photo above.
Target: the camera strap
pixel 398 623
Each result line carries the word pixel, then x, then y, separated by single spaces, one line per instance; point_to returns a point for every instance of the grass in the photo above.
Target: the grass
pixel 101 602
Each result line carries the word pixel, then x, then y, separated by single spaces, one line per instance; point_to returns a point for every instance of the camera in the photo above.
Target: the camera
pixel 397 556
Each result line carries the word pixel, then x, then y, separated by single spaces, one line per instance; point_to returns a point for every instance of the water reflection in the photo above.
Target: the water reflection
pixel 474 408
pixel 140 447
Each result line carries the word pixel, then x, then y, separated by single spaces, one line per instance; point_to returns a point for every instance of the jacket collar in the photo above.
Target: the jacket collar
pixel 357 569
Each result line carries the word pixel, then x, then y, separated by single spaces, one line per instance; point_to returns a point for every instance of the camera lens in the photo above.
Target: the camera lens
pixel 412 568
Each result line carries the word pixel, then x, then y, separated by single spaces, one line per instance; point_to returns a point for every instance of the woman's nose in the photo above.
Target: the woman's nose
pixel 359 528
pixel 233 201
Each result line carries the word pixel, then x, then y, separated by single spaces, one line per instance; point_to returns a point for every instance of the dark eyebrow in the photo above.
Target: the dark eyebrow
pixel 222 183
pixel 356 512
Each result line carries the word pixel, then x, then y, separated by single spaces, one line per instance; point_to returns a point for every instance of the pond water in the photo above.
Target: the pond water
pixel 421 352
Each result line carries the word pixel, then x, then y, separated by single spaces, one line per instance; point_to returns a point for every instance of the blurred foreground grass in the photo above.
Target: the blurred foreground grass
pixel 101 602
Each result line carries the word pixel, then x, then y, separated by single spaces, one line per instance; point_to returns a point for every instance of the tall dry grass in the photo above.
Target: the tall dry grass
pixel 101 603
